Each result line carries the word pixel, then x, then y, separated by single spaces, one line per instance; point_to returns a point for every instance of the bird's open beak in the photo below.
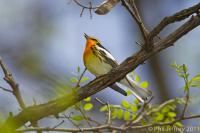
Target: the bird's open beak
pixel 86 36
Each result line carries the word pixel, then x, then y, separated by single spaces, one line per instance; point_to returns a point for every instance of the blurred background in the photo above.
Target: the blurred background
pixel 42 44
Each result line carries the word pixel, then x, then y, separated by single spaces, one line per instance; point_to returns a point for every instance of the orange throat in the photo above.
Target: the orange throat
pixel 88 50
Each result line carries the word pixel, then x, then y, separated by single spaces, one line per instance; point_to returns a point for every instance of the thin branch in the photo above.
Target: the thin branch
pixel 181 15
pixel 113 106
pixel 132 9
pixel 14 86
pixel 81 76
pixel 4 89
pixel 110 127
pixel 69 118
pixel 109 114
pixel 83 6
pixel 57 125
pixel 187 91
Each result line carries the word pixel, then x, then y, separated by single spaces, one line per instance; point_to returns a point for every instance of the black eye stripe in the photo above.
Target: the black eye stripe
pixel 94 39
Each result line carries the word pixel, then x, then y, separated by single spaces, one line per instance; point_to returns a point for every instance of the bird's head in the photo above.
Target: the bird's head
pixel 91 40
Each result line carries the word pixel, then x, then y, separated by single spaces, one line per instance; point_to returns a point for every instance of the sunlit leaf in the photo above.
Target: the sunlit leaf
pixel 134 108
pixel 119 113
pixel 159 117
pixel 129 92
pixel 77 118
pixel 178 124
pixel 84 79
pixel 144 84
pixel 165 110
pixel 137 78
pixel 171 114
pixel 114 113
pixel 73 80
pixel 133 116
pixel 104 108
pixel 136 101
pixel 88 106
pixel 196 78
pixel 195 81
pixel 126 115
pixel 78 69
pixel 88 99
pixel 125 104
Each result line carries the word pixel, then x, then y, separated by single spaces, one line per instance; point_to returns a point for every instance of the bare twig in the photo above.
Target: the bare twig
pixel 77 126
pixel 109 114
pixel 90 10
pixel 14 86
pixel 81 76
pixel 132 9
pixel 57 125
pixel 83 6
pixel 4 89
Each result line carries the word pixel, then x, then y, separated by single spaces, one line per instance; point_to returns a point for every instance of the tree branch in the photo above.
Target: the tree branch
pixel 181 15
pixel 14 86
pixel 132 9
pixel 109 127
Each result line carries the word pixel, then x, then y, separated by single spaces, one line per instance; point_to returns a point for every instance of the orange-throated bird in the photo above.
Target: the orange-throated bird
pixel 98 60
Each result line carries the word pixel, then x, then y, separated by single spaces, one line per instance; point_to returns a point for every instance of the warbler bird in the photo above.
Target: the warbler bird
pixel 98 60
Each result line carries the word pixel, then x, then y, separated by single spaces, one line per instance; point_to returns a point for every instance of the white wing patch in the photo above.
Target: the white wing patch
pixel 107 53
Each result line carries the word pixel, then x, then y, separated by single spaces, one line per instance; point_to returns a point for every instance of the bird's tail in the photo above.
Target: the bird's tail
pixel 118 89
pixel 140 93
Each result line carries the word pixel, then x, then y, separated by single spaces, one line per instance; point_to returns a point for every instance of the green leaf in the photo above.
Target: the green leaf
pixel 136 101
pixel 144 84
pixel 129 92
pixel 114 113
pixel 77 118
pixel 159 117
pixel 84 79
pixel 88 99
pixel 120 113
pixel 178 124
pixel 78 69
pixel 134 108
pixel 171 114
pixel 185 69
pixel 126 115
pixel 165 110
pixel 195 85
pixel 195 81
pixel 133 116
pixel 125 104
pixel 103 108
pixel 73 80
pixel 196 78
pixel 88 106
pixel 137 78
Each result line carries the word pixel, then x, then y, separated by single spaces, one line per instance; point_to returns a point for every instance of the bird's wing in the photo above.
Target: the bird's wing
pixel 107 57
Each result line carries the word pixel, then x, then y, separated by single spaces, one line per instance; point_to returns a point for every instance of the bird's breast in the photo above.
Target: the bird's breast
pixel 95 64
